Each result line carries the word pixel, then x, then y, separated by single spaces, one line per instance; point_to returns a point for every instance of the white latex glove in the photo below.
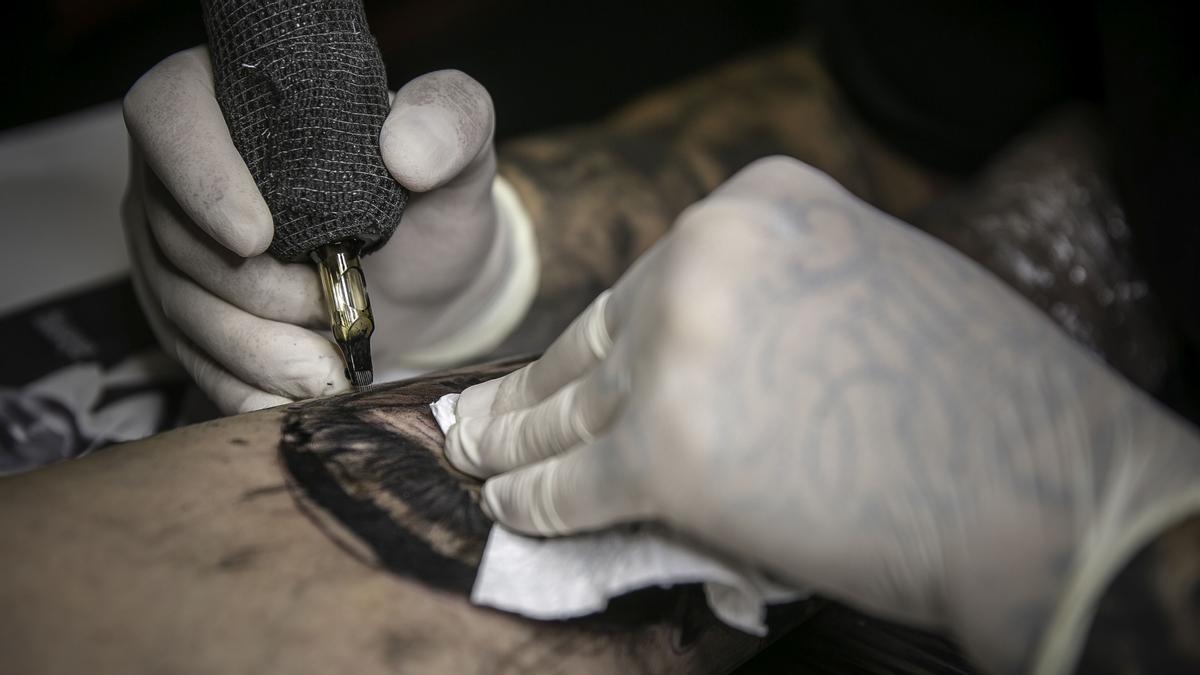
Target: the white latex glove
pixel 245 325
pixel 801 381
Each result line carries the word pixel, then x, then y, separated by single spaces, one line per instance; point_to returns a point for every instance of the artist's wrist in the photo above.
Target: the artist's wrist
pixel 479 318
pixel 1153 483
pixel 1145 621
pixel 1025 598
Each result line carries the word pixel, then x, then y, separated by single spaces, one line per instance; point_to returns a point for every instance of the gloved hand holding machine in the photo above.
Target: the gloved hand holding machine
pixel 305 95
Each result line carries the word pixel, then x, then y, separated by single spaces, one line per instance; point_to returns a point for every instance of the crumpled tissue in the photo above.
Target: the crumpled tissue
pixel 576 575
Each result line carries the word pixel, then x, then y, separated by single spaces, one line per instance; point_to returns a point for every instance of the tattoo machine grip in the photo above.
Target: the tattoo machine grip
pixel 303 89
pixel 302 86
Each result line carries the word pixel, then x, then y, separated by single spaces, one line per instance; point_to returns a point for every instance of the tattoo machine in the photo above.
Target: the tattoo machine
pixel 302 86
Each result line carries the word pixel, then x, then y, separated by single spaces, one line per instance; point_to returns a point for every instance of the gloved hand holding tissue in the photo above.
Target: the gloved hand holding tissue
pixel 576 576
pixel 823 398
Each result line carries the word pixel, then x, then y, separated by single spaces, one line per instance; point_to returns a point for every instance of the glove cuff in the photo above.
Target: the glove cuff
pixel 512 269
pixel 1120 532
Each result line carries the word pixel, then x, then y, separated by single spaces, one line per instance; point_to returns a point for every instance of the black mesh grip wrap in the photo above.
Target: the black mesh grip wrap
pixel 303 90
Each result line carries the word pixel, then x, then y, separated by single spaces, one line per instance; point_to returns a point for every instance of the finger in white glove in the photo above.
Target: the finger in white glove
pixel 562 400
pixel 226 391
pixel 173 117
pixel 246 313
pixel 437 142
pixel 270 356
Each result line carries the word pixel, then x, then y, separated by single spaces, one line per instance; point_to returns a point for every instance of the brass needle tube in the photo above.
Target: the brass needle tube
pixel 350 316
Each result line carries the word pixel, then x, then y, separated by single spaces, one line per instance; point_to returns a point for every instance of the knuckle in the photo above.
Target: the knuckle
pixel 316 373
pixel 699 218
pixel 696 300
pixel 710 224
pixel 776 163
pixel 522 437
pixel 687 323
pixel 491 448
pixel 247 403
pixel 547 487
pixel 763 203
pixel 205 373
pixel 168 303
pixel 514 390
pixel 688 270
pixel 173 250
pixel 254 401
pixel 783 167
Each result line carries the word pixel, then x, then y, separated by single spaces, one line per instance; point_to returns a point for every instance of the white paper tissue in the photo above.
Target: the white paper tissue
pixel 573 576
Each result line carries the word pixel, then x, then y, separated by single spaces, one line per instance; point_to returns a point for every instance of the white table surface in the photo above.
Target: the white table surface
pixel 61 182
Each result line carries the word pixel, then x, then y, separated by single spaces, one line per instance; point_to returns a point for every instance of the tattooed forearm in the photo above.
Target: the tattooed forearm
pixel 1148 621
pixel 599 196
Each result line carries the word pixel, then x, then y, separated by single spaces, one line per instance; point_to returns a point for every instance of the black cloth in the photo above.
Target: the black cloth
pixel 303 89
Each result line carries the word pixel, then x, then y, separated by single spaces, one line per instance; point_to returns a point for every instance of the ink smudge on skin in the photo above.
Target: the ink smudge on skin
pixel 367 467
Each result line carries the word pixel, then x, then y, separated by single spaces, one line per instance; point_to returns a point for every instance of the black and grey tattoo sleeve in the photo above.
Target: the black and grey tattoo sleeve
pixel 600 195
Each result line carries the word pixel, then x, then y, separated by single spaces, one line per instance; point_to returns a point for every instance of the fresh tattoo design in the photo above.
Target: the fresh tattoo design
pixel 368 469
pixel 1148 621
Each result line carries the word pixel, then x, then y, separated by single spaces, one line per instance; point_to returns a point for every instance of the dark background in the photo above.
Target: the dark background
pixel 545 63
